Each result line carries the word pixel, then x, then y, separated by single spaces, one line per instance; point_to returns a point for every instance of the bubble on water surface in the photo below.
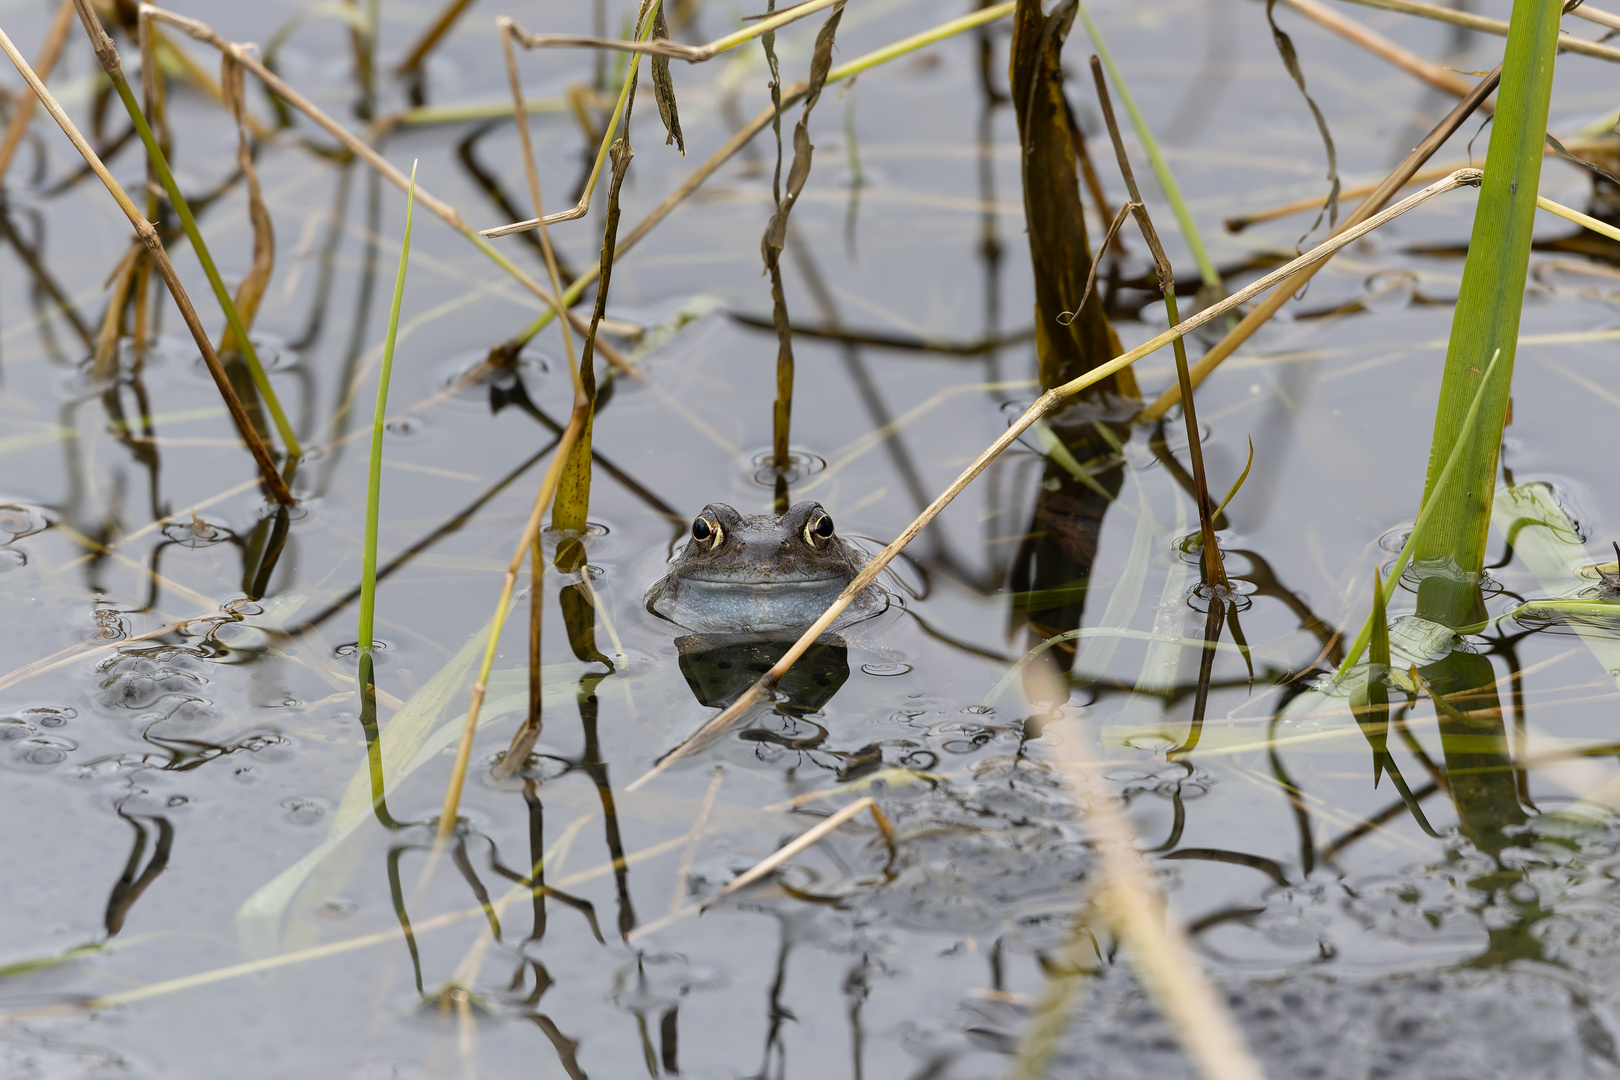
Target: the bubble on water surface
pixel 886 669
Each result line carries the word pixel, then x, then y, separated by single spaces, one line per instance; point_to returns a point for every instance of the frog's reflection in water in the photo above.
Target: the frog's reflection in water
pixel 719 668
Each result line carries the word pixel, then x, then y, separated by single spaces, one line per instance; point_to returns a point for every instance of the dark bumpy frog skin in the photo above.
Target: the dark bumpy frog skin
pixel 761 574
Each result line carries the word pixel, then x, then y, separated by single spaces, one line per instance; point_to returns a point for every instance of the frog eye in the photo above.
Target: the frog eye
pixel 819 529
pixel 707 532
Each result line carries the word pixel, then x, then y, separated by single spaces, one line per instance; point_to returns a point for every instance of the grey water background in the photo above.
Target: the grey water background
pixel 181 802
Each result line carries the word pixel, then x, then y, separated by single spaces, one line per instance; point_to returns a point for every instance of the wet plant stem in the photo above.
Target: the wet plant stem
pixel 1210 276
pixel 107 54
pixel 1214 568
pixel 1041 406
pixel 368 550
pixel 154 243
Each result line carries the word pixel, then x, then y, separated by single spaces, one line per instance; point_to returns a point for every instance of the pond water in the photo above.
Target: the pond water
pixel 193 882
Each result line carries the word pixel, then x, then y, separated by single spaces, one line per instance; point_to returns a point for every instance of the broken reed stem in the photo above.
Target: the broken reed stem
pixel 154 243
pixel 107 55
pixel 694 54
pixel 1363 212
pixel 200 31
pixel 790 96
pixel 511 31
pixel 24 110
pixel 802 843
pixel 1042 405
pixel 1214 568
pixel 1566 42
pixel 368 551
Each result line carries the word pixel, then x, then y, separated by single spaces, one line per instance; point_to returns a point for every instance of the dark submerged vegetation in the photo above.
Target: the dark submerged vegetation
pixel 983 869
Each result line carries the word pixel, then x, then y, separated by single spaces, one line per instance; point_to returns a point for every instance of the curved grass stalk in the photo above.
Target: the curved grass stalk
pixel 1042 405
pixel 1161 168
pixel 368 550
pixel 107 54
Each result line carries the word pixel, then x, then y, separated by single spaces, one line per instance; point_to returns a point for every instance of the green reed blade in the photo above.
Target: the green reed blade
pixel 1161 168
pixel 368 551
pixel 1443 486
pixel 1489 304
pixel 244 345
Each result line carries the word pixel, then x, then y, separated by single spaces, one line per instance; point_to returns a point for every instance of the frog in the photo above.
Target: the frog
pixel 762 574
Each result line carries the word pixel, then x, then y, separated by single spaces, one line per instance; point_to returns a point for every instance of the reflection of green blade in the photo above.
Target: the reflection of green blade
pixel 410 739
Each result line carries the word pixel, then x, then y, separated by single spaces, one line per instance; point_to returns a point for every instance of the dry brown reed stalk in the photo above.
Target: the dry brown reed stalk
pixel 800 844
pixel 803 843
pixel 251 289
pixel 1042 405
pixel 1240 222
pixel 1364 211
pixel 154 243
pixel 1158 948
pixel 790 96
pixel 200 31
pixel 1602 18
pixel 430 38
pixel 530 729
pixel 1436 75
pixel 693 54
pixel 104 359
pixel 574 434
pixel 648 23
pixel 1214 568
pixel 24 110
pixel 1567 42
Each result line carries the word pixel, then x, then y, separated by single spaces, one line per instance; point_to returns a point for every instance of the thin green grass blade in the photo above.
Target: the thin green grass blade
pixel 1486 324
pixel 244 344
pixel 1161 168
pixel 368 553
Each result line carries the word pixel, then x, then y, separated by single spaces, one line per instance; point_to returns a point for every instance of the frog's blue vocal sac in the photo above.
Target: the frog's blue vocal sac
pixel 761 574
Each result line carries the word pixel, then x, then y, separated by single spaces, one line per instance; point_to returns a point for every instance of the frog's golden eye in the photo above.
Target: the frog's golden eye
pixel 707 532
pixel 819 529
